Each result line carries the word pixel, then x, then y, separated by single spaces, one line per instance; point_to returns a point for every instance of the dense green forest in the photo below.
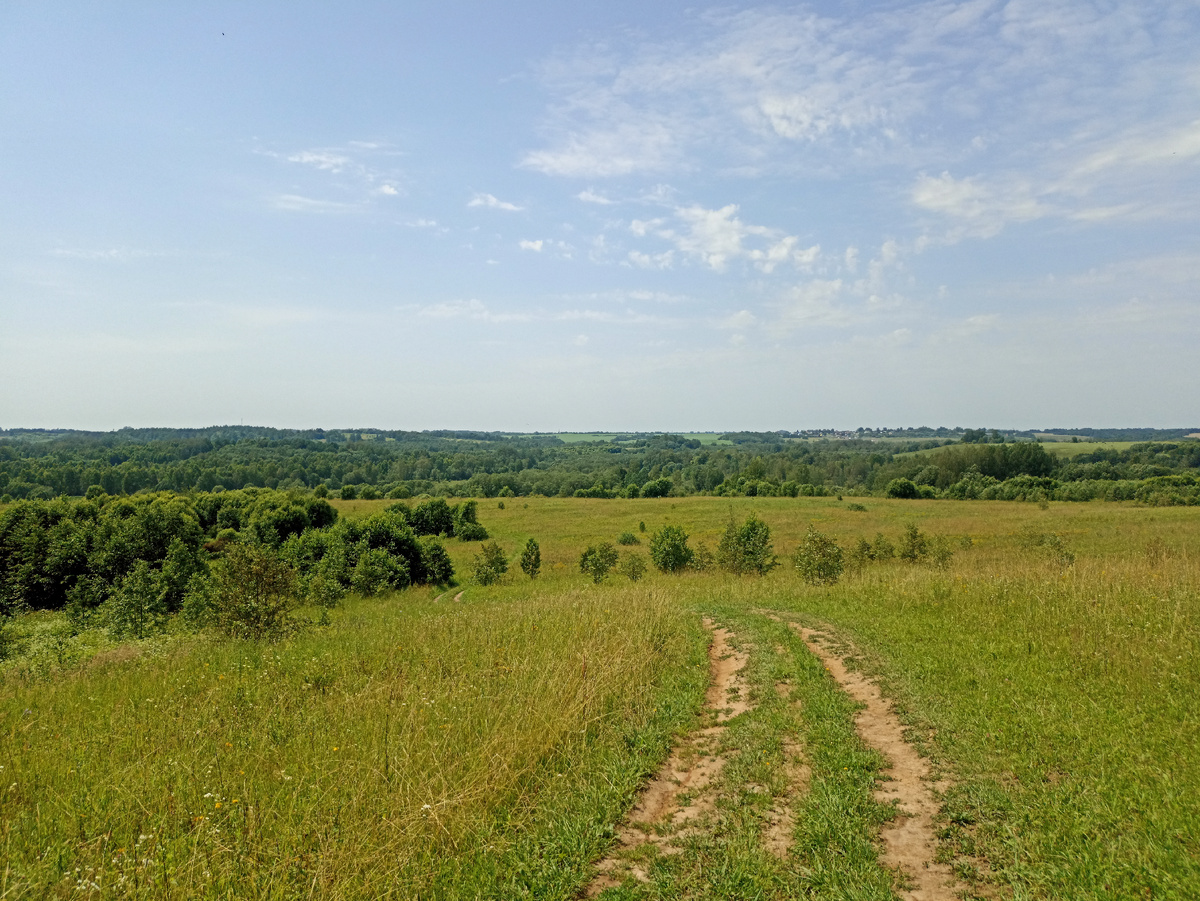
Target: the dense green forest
pixel 937 462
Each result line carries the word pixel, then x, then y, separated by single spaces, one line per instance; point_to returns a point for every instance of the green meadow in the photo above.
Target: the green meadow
pixel 484 742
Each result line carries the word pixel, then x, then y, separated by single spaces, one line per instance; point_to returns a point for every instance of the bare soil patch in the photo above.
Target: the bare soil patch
pixel 674 802
pixel 910 842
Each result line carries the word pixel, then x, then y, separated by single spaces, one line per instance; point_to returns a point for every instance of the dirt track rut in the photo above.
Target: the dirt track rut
pixel 661 815
pixel 909 841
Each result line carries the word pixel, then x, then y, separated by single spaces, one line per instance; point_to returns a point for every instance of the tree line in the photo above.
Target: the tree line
pixel 471 464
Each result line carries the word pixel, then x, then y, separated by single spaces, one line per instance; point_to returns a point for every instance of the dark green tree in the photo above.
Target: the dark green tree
pixel 819 558
pixel 746 548
pixel 669 549
pixel 597 560
pixel 531 559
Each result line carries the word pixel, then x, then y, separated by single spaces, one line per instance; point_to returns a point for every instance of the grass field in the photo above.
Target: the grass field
pixel 485 748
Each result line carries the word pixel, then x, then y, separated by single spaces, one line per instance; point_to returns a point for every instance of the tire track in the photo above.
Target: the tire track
pixel 670 806
pixel 909 841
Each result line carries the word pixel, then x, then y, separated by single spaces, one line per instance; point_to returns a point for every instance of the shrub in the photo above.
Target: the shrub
pixel 349 493
pixel 378 571
pixel 657 488
pixel 746 548
pixel 882 548
pixel 627 538
pixel 597 560
pixel 860 555
pixel 669 549
pixel 633 566
pixel 489 564
pixel 470 531
pixel 325 591
pixel 138 608
pixel 902 488
pixel 250 595
pixel 438 569
pixel 819 558
pixel 940 551
pixel 702 558
pixel 914 547
pixel 531 559
pixel 434 517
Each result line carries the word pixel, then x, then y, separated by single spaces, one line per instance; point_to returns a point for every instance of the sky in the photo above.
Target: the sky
pixel 549 216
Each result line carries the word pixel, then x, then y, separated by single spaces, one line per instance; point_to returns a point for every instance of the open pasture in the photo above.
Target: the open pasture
pixel 423 746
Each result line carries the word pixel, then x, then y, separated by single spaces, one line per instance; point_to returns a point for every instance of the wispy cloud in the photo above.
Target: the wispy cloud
pixel 325 160
pixel 111 254
pixel 922 85
pixel 718 237
pixel 535 246
pixel 590 196
pixel 295 203
pixel 490 201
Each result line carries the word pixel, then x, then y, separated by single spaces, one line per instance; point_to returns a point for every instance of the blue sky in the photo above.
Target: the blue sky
pixel 547 216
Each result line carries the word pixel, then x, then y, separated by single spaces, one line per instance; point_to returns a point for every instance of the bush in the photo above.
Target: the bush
pixel 657 488
pixel 531 559
pixel 914 547
pixel 378 571
pixel 746 548
pixel 349 493
pixel 438 569
pixel 466 522
pixel 470 531
pixel 138 608
pixel 251 593
pixel 702 558
pixel 489 564
pixel 940 551
pixel 819 559
pixel 902 488
pixel 669 549
pixel 597 560
pixel 882 548
pixel 627 538
pixel 434 517
pixel 633 566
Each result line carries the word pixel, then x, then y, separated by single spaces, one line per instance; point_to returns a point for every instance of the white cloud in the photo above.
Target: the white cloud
pixel 815 303
pixel 590 196
pixel 980 209
pixel 622 148
pixel 741 320
pixel 1175 146
pixel 491 202
pixel 326 160
pixel 535 246
pixel 718 237
pixel 295 203
pixel 112 254
pixel 652 261
pixel 467 309
pixel 918 84
pixel 389 190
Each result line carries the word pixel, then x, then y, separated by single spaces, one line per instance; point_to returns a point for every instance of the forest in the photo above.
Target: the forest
pixel 929 463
